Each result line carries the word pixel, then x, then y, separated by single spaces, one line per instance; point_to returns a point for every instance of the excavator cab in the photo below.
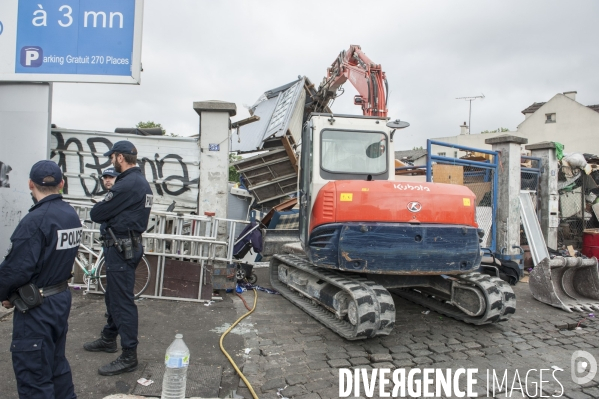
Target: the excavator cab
pixel 341 147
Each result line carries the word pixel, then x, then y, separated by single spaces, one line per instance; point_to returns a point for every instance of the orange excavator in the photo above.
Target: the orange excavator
pixel 364 235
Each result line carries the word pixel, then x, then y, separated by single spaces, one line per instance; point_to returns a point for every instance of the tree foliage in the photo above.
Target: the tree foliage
pixel 150 124
pixel 233 175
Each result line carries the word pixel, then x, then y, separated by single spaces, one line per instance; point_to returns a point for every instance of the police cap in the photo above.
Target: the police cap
pixel 110 172
pixel 122 147
pixel 43 169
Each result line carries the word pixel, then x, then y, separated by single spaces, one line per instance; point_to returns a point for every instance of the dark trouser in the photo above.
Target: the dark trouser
pixel 120 304
pixel 38 350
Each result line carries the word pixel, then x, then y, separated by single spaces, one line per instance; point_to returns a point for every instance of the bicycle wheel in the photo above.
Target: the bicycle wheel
pixel 142 277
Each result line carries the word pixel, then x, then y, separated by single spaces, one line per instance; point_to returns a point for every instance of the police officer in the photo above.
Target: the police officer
pixel 109 176
pixel 42 252
pixel 123 215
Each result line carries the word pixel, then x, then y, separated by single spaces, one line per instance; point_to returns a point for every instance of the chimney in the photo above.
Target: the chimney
pixel 464 129
pixel 570 94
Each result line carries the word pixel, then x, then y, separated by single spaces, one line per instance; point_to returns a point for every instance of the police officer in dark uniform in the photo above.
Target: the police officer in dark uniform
pixel 109 176
pixel 123 215
pixel 40 259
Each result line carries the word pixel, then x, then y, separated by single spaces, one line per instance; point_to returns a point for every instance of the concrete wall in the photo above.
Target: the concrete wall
pixel 170 164
pixel 25 111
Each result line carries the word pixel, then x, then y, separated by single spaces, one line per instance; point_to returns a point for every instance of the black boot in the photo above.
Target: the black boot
pixel 102 344
pixel 123 364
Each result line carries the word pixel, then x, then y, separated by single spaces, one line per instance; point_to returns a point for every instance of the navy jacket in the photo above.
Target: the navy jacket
pixel 126 206
pixel 43 246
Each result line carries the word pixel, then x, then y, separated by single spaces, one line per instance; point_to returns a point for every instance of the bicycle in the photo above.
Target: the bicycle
pixel 94 272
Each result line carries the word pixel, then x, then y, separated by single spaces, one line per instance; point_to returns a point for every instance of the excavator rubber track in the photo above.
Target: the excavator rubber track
pixel 499 297
pixel 374 304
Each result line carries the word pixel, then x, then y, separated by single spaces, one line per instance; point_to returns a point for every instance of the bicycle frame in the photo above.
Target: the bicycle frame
pixel 89 270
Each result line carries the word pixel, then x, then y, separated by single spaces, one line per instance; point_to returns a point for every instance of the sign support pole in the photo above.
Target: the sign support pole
pixel 25 112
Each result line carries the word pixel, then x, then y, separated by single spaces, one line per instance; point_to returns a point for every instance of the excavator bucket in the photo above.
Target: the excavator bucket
pixel 566 283
pixel 571 284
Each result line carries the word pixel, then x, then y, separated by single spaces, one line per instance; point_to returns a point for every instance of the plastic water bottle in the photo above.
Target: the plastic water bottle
pixel 176 361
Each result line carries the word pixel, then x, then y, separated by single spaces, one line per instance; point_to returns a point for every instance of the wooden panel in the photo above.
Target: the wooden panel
pixel 451 174
pixel 287 141
pixel 480 189
pixel 207 288
pixel 181 279
pixel 153 261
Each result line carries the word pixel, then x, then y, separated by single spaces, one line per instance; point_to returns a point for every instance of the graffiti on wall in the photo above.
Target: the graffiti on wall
pixel 4 171
pixel 9 215
pixel 81 159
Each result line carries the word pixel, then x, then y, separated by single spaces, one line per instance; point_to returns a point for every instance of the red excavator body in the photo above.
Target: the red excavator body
pixel 393 202
pixel 397 228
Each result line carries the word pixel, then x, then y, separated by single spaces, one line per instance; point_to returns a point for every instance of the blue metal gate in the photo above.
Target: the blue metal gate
pixel 480 177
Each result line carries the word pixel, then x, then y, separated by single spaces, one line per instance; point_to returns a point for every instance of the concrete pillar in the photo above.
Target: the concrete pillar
pixel 508 204
pixel 25 112
pixel 214 155
pixel 215 131
pixel 547 192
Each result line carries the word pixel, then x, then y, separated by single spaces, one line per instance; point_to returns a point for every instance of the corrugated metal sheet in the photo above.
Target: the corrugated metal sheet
pixel 279 110
pixel 272 177
pixel 249 138
pixel 284 109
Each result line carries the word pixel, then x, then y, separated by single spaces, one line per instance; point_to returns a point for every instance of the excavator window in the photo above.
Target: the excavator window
pixel 355 152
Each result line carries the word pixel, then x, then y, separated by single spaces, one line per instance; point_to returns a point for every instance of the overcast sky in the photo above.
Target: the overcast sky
pixel 513 52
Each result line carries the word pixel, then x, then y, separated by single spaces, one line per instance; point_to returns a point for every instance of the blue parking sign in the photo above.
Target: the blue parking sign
pixel 87 37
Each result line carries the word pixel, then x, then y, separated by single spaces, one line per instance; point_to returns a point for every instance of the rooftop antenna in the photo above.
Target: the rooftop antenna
pixel 470 99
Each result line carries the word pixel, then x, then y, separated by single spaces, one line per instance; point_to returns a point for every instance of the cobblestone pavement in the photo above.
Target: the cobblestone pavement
pixel 290 349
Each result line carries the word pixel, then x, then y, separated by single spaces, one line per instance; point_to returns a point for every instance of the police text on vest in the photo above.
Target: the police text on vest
pixel 70 238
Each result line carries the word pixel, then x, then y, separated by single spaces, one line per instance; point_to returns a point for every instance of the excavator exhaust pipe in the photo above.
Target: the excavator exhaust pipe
pixel 571 284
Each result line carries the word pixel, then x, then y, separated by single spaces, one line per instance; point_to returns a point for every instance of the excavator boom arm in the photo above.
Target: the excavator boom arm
pixel 367 77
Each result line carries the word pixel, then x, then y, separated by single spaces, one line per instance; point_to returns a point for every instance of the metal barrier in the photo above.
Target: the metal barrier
pixel 171 236
pixel 480 177
pixel 529 181
pixel 574 217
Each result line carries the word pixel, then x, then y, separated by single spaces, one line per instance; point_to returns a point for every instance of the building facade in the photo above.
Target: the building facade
pixel 560 119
